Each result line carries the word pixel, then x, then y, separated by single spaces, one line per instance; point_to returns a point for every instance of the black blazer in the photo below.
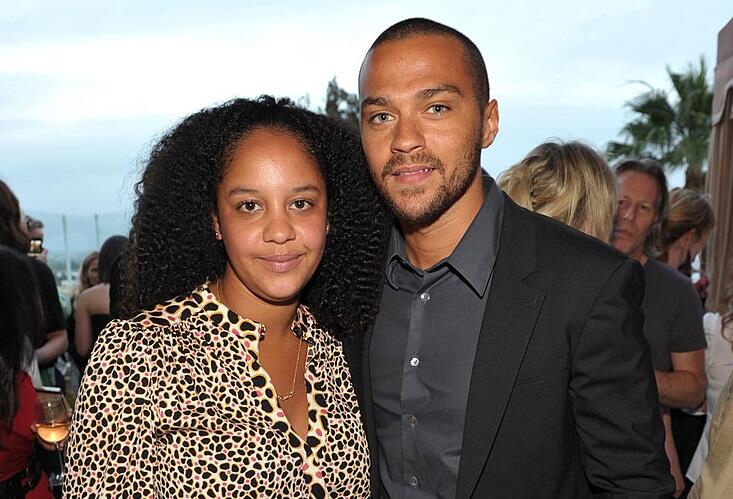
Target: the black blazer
pixel 562 401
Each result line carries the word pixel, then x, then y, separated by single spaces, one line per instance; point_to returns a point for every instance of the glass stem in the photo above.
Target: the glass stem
pixel 62 470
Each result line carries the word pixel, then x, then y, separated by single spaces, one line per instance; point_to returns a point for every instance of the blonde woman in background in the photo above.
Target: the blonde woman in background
pixel 88 272
pixel 687 228
pixel 572 183
pixel 685 232
pixel 88 277
pixel 567 181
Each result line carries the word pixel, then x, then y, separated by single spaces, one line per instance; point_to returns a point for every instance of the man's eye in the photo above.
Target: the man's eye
pixel 438 108
pixel 380 118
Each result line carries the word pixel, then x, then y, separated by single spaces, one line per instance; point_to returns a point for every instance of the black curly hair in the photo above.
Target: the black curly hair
pixel 172 247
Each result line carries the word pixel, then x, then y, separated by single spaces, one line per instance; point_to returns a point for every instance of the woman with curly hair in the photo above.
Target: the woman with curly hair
pixel 256 244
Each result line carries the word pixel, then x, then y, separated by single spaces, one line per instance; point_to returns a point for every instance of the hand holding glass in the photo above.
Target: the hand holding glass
pixel 53 416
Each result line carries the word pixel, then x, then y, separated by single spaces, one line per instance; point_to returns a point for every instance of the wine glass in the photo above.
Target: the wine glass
pixel 53 416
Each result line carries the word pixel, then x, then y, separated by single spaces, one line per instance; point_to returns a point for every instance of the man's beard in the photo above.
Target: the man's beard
pixel 450 191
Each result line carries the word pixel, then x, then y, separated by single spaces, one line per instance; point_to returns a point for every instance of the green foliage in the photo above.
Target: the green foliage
pixel 677 133
pixel 342 105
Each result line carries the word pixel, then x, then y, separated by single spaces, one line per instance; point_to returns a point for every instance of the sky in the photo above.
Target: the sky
pixel 88 87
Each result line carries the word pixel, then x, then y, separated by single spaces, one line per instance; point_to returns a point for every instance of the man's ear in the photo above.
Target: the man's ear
pixel 489 123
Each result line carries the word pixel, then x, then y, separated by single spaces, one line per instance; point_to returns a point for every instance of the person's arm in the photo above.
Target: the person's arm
pixel 614 397
pixel 111 448
pixel 684 386
pixel 55 324
pixel 55 345
pixel 671 450
pixel 83 325
pixel 716 475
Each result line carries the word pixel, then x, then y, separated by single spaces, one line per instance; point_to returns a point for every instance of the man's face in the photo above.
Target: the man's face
pixel 636 212
pixel 422 126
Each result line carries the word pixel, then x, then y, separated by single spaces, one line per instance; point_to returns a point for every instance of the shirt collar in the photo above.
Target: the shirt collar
pixel 474 257
pixel 303 324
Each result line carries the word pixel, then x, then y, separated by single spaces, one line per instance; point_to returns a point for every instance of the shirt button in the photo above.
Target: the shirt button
pixel 413 481
pixel 425 296
pixel 412 421
pixel 414 362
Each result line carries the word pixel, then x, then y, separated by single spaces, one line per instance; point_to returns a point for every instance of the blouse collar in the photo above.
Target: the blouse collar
pixel 303 325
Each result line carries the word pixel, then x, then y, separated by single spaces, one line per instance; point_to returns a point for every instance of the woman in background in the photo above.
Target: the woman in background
pixel 22 324
pixel 88 277
pixel 567 181
pixel 687 228
pixel 718 367
pixel 684 234
pixel 572 183
pixel 88 273
pixel 13 234
pixel 92 307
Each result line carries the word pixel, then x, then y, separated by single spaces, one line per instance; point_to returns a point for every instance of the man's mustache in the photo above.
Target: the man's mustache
pixel 421 158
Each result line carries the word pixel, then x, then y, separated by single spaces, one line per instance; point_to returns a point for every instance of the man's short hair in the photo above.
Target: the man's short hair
pixel 420 26
pixel 654 169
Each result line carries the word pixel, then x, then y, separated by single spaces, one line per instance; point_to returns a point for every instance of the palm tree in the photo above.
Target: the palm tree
pixel 675 133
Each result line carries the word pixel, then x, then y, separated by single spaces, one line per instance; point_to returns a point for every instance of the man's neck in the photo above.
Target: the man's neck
pixel 640 257
pixel 427 245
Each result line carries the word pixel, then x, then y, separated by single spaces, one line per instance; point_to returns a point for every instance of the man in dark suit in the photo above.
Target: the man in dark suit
pixel 507 359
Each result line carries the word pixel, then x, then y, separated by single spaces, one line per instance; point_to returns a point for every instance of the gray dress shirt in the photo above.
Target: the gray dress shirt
pixel 421 356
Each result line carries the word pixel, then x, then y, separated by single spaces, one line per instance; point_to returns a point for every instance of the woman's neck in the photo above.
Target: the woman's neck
pixel 277 317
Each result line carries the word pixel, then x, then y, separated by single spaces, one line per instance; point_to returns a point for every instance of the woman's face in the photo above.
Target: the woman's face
pixel 93 272
pixel 272 215
pixel 697 243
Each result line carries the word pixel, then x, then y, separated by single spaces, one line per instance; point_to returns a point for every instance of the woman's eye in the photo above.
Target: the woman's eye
pixel 301 204
pixel 249 206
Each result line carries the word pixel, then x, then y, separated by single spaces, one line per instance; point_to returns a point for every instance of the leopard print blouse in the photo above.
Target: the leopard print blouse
pixel 175 404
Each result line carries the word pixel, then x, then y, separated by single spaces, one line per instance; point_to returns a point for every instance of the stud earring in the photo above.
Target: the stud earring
pixel 328 227
pixel 217 235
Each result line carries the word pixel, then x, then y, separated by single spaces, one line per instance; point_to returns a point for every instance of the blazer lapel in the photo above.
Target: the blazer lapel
pixel 368 414
pixel 357 354
pixel 507 327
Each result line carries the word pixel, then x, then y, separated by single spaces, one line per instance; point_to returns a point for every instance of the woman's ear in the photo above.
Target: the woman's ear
pixel 217 228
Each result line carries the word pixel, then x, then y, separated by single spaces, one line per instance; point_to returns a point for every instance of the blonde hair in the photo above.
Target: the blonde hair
pixel 568 181
pixel 688 209
pixel 84 282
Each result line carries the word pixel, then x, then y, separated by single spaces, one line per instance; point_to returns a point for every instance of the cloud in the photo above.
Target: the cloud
pixel 87 86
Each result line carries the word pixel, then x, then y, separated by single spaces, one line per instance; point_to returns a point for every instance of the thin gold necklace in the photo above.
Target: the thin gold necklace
pixel 290 394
